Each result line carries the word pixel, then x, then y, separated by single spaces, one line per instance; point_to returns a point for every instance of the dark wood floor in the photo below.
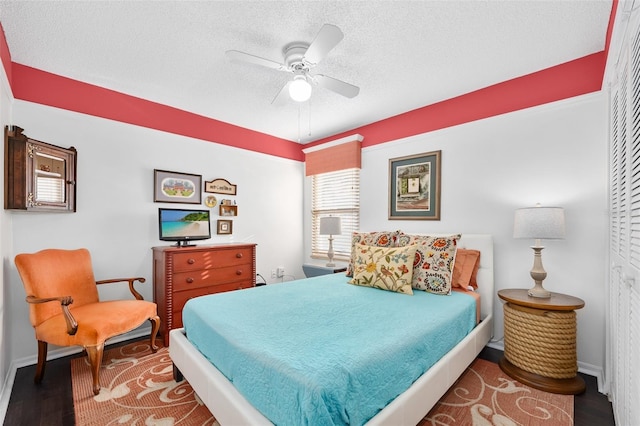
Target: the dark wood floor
pixel 51 402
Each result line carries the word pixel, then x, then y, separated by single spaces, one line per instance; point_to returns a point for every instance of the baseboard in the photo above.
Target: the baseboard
pixel 7 386
pixel 595 371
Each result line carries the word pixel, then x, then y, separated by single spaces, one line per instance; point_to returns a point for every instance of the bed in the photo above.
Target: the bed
pixel 415 399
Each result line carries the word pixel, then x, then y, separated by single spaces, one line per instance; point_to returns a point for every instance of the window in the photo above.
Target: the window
pixel 335 194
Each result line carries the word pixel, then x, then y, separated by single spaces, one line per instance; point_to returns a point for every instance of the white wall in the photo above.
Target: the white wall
pixel 553 154
pixel 116 217
pixel 6 99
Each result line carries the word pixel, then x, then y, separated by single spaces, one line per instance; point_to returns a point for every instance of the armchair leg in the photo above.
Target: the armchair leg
pixel 42 361
pixel 94 353
pixel 155 326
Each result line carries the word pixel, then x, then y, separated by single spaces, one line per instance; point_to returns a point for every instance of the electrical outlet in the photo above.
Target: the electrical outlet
pixel 273 273
pixel 280 271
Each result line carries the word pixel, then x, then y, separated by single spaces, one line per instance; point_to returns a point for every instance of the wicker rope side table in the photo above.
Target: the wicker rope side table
pixel 540 341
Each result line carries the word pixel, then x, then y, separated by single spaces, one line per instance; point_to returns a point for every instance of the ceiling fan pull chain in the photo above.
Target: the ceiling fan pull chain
pixel 299 106
pixel 309 116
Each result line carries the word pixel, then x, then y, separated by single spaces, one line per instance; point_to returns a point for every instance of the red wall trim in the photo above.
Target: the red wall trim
pixel 570 79
pixel 612 18
pixel 33 85
pixel 5 55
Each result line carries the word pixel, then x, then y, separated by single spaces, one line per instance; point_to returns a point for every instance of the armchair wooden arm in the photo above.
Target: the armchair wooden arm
pixel 133 291
pixel 65 301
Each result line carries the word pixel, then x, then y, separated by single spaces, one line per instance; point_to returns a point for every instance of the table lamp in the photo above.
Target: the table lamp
pixel 330 226
pixel 539 223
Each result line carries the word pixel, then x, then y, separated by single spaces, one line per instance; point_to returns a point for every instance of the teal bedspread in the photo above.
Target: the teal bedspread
pixel 320 351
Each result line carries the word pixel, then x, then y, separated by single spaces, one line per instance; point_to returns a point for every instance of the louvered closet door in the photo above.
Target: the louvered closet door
pixel 623 352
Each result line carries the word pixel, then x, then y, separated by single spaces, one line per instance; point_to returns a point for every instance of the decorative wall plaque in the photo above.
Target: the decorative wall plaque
pixel 220 186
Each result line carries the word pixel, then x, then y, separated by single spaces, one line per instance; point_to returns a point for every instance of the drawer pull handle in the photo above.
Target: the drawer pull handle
pixel 189 280
pixel 239 272
pixel 239 255
pixel 191 261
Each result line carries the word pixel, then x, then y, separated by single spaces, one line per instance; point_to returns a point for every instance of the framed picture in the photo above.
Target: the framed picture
pixel 226 210
pixel 176 187
pixel 225 226
pixel 414 187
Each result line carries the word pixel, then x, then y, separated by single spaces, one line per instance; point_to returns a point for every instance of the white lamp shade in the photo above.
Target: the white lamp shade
pixel 330 225
pixel 299 89
pixel 539 223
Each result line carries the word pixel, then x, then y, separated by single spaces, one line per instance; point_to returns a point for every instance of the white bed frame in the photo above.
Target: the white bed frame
pixel 229 407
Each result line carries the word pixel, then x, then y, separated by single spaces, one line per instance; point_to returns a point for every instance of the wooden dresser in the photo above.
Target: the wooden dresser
pixel 180 274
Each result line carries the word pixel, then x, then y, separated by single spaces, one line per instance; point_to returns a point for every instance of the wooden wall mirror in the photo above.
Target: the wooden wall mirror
pixel 38 176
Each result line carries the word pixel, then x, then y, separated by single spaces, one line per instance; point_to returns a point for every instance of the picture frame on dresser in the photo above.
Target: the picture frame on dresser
pixel 414 186
pixel 176 187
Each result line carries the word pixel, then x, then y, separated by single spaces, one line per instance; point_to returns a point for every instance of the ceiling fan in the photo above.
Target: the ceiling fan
pixel 299 59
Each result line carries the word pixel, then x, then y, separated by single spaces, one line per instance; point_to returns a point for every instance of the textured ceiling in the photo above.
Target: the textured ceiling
pixel 402 54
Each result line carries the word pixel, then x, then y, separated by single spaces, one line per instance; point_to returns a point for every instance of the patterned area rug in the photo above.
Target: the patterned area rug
pixel 485 396
pixel 138 389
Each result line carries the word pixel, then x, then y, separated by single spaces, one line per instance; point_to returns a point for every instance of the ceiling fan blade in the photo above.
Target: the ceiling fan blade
pixel 338 86
pixel 328 37
pixel 237 56
pixel 282 95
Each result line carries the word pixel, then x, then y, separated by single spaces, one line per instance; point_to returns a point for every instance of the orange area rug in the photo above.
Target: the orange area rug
pixel 485 396
pixel 138 389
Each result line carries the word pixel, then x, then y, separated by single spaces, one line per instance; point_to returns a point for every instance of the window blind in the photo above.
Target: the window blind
pixel 335 194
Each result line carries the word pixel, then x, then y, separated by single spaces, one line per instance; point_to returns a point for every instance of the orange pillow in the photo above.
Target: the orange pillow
pixel 465 269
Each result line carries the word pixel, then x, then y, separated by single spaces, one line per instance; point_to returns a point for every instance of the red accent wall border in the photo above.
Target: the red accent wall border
pixel 5 54
pixel 574 78
pixel 570 79
pixel 33 85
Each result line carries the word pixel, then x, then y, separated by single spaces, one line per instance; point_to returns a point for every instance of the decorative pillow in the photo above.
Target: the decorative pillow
pixel 434 260
pixel 377 239
pixel 473 282
pixel 384 268
pixel 465 269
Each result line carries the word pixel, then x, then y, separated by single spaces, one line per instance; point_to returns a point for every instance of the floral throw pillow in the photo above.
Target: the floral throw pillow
pixel 434 260
pixel 386 268
pixel 378 239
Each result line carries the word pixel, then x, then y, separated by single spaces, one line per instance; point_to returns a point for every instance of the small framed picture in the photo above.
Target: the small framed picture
pixel 176 187
pixel 225 227
pixel 227 210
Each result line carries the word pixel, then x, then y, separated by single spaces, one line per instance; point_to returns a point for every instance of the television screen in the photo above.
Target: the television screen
pixel 184 225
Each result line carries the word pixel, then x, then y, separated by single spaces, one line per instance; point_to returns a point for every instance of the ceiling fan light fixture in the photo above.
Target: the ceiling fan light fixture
pixel 300 89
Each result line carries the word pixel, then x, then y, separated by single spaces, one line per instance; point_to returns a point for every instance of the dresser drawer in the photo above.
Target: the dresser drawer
pixel 207 259
pixel 212 277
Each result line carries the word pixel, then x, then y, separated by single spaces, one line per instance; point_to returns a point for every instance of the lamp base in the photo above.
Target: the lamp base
pixel 330 252
pixel 538 274
pixel 539 291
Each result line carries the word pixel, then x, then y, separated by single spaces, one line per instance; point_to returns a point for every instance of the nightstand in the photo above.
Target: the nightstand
pixel 315 269
pixel 540 341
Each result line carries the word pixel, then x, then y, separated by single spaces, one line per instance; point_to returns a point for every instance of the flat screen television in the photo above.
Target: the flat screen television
pixel 184 225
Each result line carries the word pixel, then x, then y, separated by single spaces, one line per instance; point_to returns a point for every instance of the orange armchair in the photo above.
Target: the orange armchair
pixel 64 308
